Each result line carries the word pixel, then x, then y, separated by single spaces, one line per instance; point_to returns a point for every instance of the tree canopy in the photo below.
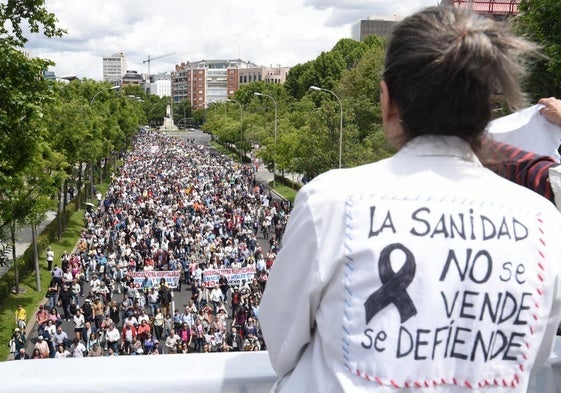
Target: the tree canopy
pixel 308 122
pixel 539 20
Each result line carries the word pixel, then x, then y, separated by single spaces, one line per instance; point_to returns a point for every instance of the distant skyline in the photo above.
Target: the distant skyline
pixel 265 32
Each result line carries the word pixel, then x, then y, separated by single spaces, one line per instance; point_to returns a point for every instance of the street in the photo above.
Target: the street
pixel 181 296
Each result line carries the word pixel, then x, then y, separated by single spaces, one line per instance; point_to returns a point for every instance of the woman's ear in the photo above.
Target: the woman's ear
pixel 389 109
pixel 391 118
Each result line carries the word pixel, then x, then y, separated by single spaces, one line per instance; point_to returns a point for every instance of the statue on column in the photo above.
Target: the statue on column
pixel 168 121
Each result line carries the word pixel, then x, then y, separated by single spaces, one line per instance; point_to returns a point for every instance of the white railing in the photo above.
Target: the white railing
pixel 243 372
pixel 247 372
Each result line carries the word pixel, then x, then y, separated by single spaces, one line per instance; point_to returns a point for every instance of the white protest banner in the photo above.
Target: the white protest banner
pixel 152 278
pixel 234 276
pixel 528 130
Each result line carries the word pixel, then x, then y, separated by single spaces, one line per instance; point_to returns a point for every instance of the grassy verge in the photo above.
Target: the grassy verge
pixel 30 297
pixel 224 150
pixel 285 191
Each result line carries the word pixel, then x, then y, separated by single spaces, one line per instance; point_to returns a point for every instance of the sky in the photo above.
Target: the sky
pixel 265 32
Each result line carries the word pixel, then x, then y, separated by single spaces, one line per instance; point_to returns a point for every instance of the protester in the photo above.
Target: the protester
pixel 62 352
pixel 52 293
pixel 526 168
pixel 21 355
pixel 41 318
pixel 233 341
pixel 17 341
pixel 43 346
pixel 79 323
pixel 50 258
pixel 21 317
pixel 156 349
pixel 37 354
pixel 112 337
pixel 78 349
pixel 61 338
pixel 387 271
pixel 171 342
pixel 54 316
pixel 95 351
pixel 172 205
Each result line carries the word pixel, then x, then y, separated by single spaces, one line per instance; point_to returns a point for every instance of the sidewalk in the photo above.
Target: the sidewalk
pixel 264 176
pixel 23 240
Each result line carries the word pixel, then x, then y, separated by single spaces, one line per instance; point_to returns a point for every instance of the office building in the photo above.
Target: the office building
pixel 373 25
pixel 161 88
pixel 114 67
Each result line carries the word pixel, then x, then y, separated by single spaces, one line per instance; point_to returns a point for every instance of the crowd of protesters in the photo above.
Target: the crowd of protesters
pixel 173 206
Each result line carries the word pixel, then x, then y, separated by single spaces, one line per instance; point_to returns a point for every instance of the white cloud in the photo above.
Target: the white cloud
pixel 262 31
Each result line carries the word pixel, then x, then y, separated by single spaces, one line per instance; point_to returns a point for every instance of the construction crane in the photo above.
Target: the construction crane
pixel 150 59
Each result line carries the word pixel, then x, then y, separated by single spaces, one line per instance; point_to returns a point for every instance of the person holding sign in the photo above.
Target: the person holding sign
pixel 425 271
pixel 538 172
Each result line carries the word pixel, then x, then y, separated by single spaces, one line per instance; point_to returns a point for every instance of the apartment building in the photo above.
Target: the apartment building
pixel 207 81
pixel 266 74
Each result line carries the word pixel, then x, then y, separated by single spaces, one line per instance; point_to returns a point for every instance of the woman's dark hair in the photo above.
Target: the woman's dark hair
pixel 442 66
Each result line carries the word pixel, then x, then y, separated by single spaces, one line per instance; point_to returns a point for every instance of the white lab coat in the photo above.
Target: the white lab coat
pixel 422 270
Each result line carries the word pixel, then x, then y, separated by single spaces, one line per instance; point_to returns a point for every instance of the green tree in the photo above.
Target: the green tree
pixel 23 94
pixel 326 70
pixel 299 80
pixel 155 109
pixel 361 86
pixel 66 119
pixel 351 51
pixel 25 175
pixel 308 122
pixel 539 20
pixel 134 91
pixel 182 114
pixel 31 13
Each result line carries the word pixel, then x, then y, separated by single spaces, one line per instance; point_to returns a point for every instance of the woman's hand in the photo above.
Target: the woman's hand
pixel 552 110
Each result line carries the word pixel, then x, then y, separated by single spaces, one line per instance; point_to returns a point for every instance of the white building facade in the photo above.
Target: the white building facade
pixel 114 67
pixel 161 88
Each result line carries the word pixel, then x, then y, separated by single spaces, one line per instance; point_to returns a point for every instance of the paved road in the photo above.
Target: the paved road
pixel 181 297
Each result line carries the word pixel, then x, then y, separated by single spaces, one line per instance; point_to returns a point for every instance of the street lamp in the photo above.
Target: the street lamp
pixel 274 158
pixel 340 120
pixel 102 90
pixel 241 127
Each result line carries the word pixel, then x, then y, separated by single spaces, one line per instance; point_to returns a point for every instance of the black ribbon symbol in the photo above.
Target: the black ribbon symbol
pixel 394 285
